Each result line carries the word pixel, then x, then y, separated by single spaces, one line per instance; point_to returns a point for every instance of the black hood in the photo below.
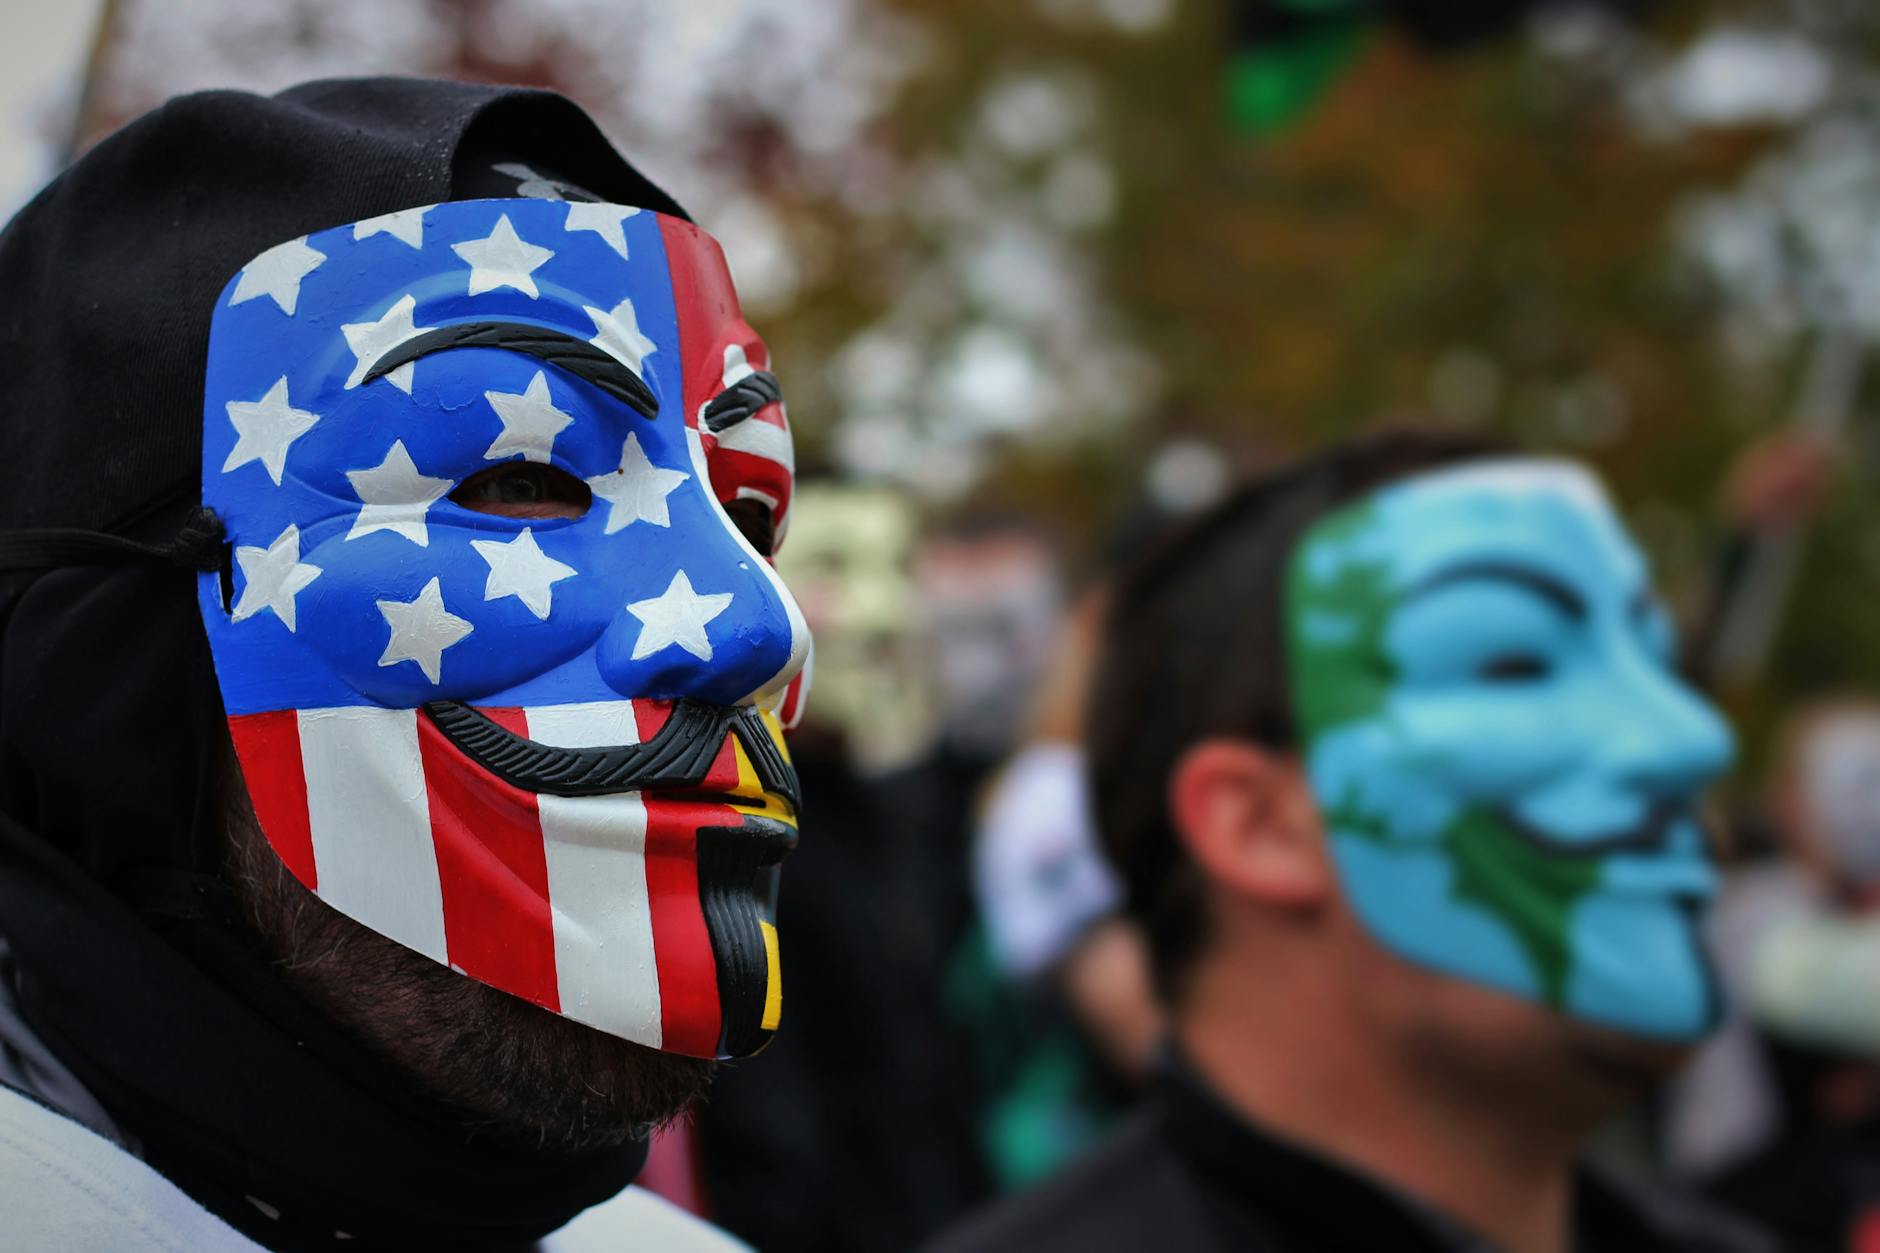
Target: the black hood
pixel 133 966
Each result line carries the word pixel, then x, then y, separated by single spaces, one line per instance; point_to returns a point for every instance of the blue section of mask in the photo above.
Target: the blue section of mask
pixel 272 331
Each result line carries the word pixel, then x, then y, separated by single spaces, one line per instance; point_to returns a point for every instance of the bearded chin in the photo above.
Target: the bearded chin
pixel 508 1071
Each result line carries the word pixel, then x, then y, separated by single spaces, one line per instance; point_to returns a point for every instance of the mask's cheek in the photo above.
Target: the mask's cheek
pixel 1367 786
pixel 1492 747
pixel 1538 750
pixel 378 624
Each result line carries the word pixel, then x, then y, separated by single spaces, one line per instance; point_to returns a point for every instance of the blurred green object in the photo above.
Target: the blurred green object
pixel 1288 53
pixel 1044 1102
pixel 1046 1117
pixel 1271 86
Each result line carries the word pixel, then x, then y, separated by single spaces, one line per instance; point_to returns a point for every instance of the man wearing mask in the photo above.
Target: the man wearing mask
pixel 1392 759
pixel 392 677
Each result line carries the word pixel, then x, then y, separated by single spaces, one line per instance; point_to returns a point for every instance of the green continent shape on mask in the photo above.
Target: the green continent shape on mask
pixel 1532 891
pixel 1335 627
pixel 1342 674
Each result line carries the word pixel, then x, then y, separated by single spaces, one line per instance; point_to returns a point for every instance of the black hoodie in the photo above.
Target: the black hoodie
pixel 131 963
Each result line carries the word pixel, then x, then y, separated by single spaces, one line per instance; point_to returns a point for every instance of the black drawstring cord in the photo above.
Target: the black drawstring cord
pixel 198 545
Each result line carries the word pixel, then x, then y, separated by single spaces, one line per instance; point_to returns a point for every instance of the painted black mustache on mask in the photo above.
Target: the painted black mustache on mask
pixel 1643 837
pixel 737 865
pixel 677 758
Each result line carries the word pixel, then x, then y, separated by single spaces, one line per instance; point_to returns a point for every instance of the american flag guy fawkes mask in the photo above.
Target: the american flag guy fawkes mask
pixel 545 750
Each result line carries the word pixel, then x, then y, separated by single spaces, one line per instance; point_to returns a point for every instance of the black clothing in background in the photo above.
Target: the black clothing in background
pixel 1821 1191
pixel 852 1131
pixel 1186 1173
pixel 1816 1184
pixel 134 968
pixel 928 849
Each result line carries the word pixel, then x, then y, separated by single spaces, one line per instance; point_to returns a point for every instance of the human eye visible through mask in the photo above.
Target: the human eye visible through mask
pixel 524 490
pixel 756 521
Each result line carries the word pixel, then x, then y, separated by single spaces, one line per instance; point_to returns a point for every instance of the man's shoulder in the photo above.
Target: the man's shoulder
pixel 63 1186
pixel 638 1219
pixel 1128 1193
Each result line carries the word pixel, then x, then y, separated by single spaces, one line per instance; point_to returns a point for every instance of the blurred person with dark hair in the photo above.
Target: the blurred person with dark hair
pixel 392 677
pixel 1399 778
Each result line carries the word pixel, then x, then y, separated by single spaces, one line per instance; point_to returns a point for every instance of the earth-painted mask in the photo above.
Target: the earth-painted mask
pixel 545 750
pixel 1507 766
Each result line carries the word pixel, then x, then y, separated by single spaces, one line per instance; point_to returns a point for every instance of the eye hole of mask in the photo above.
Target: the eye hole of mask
pixel 1515 668
pixel 524 489
pixel 754 519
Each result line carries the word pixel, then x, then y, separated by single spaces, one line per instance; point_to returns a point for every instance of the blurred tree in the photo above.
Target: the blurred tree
pixel 1009 250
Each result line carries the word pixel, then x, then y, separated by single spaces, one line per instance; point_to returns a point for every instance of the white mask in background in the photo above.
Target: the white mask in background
pixel 993 605
pixel 1839 776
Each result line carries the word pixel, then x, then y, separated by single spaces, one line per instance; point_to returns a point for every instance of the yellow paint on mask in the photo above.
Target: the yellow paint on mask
pixel 773 990
pixel 774 725
pixel 761 803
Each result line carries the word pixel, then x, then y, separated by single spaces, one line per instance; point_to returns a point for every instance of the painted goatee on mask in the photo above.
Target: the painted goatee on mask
pixel 1508 764
pixel 541 746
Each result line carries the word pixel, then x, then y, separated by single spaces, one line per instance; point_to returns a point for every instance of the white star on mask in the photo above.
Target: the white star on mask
pixel 530 421
pixel 521 569
pixel 617 334
pixel 264 428
pixel 406 226
pixel 421 630
pixel 677 616
pixel 637 491
pixel 603 219
pixel 277 273
pixel 372 340
pixel 272 577
pixel 502 259
pixel 396 497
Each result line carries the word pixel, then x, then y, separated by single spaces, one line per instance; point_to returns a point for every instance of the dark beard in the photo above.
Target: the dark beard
pixel 513 1072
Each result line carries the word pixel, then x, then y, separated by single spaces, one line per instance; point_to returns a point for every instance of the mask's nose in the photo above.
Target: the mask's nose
pixel 724 631
pixel 1674 743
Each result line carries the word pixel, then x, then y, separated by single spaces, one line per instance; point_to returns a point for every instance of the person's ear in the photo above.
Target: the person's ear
pixel 1249 819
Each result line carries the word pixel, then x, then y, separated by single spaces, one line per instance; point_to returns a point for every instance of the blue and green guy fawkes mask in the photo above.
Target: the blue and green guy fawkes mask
pixel 1507 765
